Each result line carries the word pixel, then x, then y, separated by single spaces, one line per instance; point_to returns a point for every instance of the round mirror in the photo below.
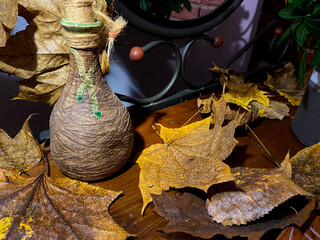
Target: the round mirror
pixel 160 24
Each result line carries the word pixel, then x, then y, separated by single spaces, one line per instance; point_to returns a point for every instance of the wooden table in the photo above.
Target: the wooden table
pixel 276 135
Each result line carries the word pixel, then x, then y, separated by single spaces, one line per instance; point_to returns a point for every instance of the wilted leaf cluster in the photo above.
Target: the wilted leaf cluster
pixel 248 96
pixel 254 192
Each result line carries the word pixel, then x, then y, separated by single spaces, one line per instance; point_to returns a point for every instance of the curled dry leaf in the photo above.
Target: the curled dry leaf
pixel 190 156
pixel 303 168
pixel 286 83
pixel 187 213
pixel 46 208
pixel 8 19
pixel 276 110
pixel 40 53
pixel 240 93
pixel 256 192
pixel 21 152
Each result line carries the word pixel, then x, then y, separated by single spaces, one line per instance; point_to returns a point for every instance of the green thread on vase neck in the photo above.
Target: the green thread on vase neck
pixel 87 82
pixel 80 27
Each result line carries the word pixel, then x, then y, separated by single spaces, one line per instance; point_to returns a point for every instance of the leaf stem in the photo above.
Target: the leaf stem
pixel 262 146
pixel 200 109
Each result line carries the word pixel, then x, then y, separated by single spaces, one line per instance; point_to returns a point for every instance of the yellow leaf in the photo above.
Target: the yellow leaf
pixel 191 156
pixel 240 93
pixel 243 99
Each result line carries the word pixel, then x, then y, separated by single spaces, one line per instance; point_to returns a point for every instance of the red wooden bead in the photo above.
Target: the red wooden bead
pixel 136 54
pixel 218 41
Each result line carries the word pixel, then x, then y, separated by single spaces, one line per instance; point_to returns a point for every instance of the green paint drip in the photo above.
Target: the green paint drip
pixel 98 114
pixel 87 83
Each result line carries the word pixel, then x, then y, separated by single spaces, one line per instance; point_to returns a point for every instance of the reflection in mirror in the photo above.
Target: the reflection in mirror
pixel 177 10
pixel 163 9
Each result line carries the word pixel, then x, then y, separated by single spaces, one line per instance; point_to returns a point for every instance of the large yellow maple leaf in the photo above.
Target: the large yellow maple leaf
pixel 190 156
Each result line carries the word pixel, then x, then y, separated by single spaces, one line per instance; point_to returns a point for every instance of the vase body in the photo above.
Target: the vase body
pixel 91 134
pixel 306 122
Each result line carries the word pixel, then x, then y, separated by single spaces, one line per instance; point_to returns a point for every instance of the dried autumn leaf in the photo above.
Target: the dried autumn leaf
pixel 191 156
pixel 8 19
pixel 286 167
pixel 257 191
pixel 304 169
pixel 286 83
pixel 187 213
pixel 231 79
pixel 206 105
pixel 37 89
pixel 21 152
pixel 243 99
pixel 46 208
pixel 276 110
pixel 240 93
pixel 39 53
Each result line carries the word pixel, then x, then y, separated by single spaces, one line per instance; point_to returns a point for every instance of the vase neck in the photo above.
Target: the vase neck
pixel 84 61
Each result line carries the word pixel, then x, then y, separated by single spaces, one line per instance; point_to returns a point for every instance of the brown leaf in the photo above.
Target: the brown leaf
pixel 286 167
pixel 38 89
pixel 286 83
pixel 304 168
pixel 8 19
pixel 191 156
pixel 257 191
pixel 21 152
pixel 39 53
pixel 187 213
pixel 46 208
pixel 231 79
pixel 276 110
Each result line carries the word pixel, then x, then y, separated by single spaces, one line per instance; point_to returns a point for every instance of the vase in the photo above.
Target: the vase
pixel 91 134
pixel 306 122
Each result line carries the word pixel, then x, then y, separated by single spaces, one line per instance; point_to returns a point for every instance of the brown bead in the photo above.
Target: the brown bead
pixel 278 30
pixel 218 41
pixel 136 54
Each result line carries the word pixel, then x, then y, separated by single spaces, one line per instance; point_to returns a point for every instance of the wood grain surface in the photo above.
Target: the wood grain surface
pixel 276 135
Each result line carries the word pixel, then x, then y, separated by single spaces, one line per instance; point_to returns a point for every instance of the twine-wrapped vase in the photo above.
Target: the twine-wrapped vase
pixel 91 131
